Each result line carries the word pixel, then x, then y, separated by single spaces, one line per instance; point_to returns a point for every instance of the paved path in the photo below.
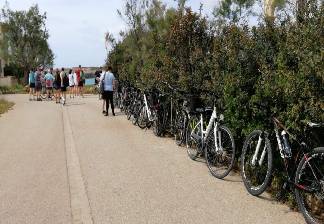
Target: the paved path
pixel 73 165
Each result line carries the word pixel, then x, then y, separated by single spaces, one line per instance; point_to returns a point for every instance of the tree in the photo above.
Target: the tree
pixel 27 38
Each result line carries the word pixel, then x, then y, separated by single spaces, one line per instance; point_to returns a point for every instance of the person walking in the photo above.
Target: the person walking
pixel 64 84
pixel 71 83
pixel 108 81
pixel 31 81
pixel 57 86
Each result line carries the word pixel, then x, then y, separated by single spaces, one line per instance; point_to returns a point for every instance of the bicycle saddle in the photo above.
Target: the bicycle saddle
pixel 204 110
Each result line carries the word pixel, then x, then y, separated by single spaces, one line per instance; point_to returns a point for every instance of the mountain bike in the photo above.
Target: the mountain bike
pixel 305 177
pixel 215 142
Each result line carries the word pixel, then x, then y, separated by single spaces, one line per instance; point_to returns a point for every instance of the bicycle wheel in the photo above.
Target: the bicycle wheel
pixel 142 118
pixel 309 189
pixel 180 127
pixel 256 174
pixel 193 144
pixel 157 124
pixel 220 162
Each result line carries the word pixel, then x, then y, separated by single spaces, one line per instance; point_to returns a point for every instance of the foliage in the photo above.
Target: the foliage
pixel 26 36
pixel 278 63
pixel 5 106
pixel 16 89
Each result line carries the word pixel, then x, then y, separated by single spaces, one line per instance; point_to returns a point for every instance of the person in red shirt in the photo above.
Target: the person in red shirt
pixel 78 78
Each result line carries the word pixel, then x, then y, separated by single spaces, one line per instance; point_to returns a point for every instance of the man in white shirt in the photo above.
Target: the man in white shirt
pixel 108 80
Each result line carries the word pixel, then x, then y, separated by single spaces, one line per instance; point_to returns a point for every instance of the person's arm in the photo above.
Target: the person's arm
pixel 29 77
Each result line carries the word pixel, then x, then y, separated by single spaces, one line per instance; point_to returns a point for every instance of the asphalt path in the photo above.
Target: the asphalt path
pixel 73 165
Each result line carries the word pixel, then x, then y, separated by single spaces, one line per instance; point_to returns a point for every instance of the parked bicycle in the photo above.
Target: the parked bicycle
pixel 304 167
pixel 215 141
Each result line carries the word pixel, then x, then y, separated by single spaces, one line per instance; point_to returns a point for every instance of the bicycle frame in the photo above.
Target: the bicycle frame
pixel 285 157
pixel 148 110
pixel 205 133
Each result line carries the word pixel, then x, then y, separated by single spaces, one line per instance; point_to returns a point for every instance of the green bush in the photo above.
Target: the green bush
pixel 277 63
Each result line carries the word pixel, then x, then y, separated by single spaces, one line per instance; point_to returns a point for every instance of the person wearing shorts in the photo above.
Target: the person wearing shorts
pixel 57 86
pixel 78 79
pixel 71 83
pixel 38 84
pixel 31 81
pixel 108 80
pixel 49 80
pixel 64 84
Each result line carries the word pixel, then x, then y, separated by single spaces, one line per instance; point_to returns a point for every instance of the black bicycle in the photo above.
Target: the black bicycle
pixel 305 177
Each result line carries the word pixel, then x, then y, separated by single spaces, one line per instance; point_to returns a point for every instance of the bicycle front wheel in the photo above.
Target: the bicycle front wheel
pixel 309 189
pixel 256 163
pixel 220 161
pixel 193 133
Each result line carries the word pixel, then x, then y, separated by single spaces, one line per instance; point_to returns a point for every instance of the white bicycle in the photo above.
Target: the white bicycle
pixel 215 141
pixel 146 115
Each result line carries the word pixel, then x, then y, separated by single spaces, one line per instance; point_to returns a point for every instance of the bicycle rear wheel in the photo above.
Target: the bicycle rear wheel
pixel 309 189
pixel 180 127
pixel 256 173
pixel 220 162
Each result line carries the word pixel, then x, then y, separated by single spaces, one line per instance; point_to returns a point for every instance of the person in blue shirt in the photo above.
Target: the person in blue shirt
pixel 108 80
pixel 49 80
pixel 31 82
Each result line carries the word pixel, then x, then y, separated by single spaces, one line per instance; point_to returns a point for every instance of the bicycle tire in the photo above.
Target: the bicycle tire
pixel 301 197
pixel 220 163
pixel 191 144
pixel 263 178
pixel 180 128
pixel 142 118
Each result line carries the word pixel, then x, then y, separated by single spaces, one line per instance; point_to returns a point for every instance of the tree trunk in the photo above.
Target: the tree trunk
pixel 269 9
pixel 25 79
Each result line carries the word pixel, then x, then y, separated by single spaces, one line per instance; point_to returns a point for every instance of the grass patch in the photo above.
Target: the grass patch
pixel 5 106
pixel 16 89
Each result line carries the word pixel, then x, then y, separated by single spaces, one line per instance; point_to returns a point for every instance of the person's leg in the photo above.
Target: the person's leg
pixel 111 99
pixel 30 93
pixel 107 102
pixel 103 105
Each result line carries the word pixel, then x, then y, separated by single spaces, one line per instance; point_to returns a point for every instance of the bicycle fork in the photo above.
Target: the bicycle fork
pixel 255 156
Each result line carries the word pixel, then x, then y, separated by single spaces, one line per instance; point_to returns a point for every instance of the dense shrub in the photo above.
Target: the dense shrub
pixel 279 63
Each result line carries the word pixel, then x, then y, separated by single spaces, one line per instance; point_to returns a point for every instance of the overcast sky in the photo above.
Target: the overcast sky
pixel 77 27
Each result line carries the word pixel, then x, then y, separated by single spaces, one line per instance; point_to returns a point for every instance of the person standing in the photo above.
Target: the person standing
pixel 49 80
pixel 64 83
pixel 78 79
pixel 71 83
pixel 82 82
pixel 108 80
pixel 38 84
pixel 57 86
pixel 31 81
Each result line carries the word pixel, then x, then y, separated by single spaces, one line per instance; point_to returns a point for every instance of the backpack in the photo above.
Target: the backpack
pixel 65 80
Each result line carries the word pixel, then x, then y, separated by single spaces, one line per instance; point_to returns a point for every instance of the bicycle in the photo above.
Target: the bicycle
pixel 215 142
pixel 306 177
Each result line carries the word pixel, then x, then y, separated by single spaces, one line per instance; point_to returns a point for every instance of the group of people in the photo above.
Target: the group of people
pixel 56 83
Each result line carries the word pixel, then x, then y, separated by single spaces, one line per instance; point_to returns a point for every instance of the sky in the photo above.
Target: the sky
pixel 77 27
